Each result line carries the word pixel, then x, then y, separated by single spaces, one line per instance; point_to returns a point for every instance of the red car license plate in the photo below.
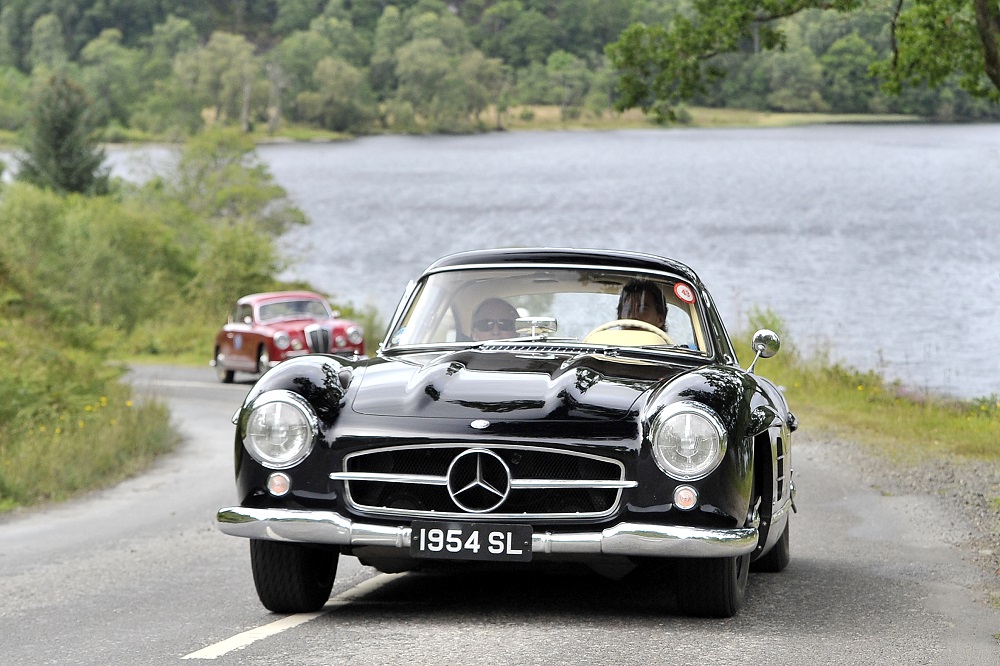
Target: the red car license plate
pixel 471 541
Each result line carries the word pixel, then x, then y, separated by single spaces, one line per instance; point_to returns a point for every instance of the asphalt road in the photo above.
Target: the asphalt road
pixel 137 574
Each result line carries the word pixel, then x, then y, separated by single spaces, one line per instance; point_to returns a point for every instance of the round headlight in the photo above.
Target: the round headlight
pixel 689 441
pixel 355 335
pixel 281 340
pixel 280 430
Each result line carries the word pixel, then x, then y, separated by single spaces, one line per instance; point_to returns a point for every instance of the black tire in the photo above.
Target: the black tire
pixel 712 587
pixel 263 359
pixel 291 577
pixel 225 376
pixel 778 557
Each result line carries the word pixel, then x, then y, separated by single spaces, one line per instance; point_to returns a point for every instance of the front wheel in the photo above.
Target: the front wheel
pixel 712 587
pixel 225 375
pixel 778 557
pixel 263 360
pixel 291 577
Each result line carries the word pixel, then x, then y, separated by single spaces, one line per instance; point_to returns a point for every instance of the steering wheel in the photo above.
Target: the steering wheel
pixel 632 323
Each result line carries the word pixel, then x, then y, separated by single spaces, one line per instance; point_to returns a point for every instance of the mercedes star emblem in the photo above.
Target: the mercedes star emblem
pixel 478 480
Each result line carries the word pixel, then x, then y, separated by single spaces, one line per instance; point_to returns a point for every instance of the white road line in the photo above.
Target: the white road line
pixel 180 383
pixel 240 641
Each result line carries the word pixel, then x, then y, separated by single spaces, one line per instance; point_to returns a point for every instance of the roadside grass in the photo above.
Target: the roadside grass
pixel 69 425
pixel 109 439
pixel 905 425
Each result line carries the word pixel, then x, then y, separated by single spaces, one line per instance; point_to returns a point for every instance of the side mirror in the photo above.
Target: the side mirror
pixel 765 344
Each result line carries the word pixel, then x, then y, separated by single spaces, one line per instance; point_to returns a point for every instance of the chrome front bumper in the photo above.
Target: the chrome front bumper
pixel 631 539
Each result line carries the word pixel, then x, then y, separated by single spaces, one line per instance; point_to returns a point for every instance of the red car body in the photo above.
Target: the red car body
pixel 268 328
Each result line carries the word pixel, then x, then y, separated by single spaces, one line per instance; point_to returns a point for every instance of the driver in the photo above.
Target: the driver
pixel 643 300
pixel 493 319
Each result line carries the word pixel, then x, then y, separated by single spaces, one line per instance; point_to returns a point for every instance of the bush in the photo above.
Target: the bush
pixel 84 279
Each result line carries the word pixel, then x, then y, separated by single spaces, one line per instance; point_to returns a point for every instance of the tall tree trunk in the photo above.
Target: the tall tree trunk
pixel 988 25
pixel 245 108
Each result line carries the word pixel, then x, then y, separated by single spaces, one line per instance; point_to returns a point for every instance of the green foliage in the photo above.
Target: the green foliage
pixel 934 43
pixel 150 270
pixel 48 50
pixel 13 91
pixel 345 103
pixel 109 77
pixel 938 39
pixel 169 68
pixel 69 426
pixel 60 153
pixel 846 64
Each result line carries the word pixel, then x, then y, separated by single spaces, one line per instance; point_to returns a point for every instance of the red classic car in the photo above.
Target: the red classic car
pixel 266 329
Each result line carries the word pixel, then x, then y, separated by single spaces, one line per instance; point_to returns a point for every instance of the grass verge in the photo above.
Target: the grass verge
pixel 69 425
pixel 904 425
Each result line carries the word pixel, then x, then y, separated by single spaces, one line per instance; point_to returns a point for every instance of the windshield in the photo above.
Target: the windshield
pixel 587 305
pixel 294 309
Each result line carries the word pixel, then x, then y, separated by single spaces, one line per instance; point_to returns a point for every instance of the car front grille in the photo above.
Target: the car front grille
pixel 494 482
pixel 318 339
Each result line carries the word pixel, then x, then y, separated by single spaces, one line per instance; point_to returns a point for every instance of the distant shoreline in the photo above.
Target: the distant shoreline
pixel 548 118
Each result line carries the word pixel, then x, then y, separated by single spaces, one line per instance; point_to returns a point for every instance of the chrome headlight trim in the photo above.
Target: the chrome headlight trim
pixel 355 335
pixel 280 429
pixel 688 440
pixel 282 340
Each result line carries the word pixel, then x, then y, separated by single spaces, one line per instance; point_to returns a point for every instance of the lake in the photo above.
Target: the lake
pixel 879 244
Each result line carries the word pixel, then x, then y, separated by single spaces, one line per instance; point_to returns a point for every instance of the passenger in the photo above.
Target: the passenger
pixel 494 319
pixel 642 300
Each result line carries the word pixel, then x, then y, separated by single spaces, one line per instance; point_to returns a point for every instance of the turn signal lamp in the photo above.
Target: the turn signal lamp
pixel 685 498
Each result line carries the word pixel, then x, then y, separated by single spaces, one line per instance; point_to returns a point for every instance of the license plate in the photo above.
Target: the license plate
pixel 470 541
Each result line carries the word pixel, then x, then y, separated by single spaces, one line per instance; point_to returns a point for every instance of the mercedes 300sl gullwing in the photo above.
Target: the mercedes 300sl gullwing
pixel 526 405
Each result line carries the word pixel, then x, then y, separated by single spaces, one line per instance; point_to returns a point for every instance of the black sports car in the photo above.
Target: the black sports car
pixel 526 405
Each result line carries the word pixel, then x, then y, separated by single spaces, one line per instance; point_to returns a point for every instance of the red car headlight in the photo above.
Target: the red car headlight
pixel 282 341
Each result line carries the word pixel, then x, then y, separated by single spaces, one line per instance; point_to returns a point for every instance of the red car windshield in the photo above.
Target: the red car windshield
pixel 298 309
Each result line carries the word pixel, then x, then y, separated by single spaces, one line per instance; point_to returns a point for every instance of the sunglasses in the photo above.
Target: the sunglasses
pixel 484 325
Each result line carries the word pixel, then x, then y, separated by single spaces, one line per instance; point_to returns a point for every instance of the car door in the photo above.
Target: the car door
pixel 237 344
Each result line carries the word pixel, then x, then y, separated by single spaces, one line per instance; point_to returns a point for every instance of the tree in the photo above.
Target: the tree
pixel 846 63
pixel 347 43
pixel 516 36
pixel 297 55
pixel 931 40
pixel 221 180
pixel 222 74
pixel 169 38
pixel 389 36
pixel 60 153
pixel 570 79
pixel 109 76
pixel 9 56
pixel 48 47
pixel 13 91
pixel 343 103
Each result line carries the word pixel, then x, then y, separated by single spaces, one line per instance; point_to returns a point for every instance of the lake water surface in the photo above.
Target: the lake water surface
pixel 879 243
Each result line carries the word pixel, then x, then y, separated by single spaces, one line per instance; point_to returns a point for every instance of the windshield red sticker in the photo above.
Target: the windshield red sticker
pixel 684 292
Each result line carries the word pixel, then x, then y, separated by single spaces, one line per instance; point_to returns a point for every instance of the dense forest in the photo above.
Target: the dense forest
pixel 166 68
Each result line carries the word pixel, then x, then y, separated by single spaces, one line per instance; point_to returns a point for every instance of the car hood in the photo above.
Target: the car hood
pixel 506 386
